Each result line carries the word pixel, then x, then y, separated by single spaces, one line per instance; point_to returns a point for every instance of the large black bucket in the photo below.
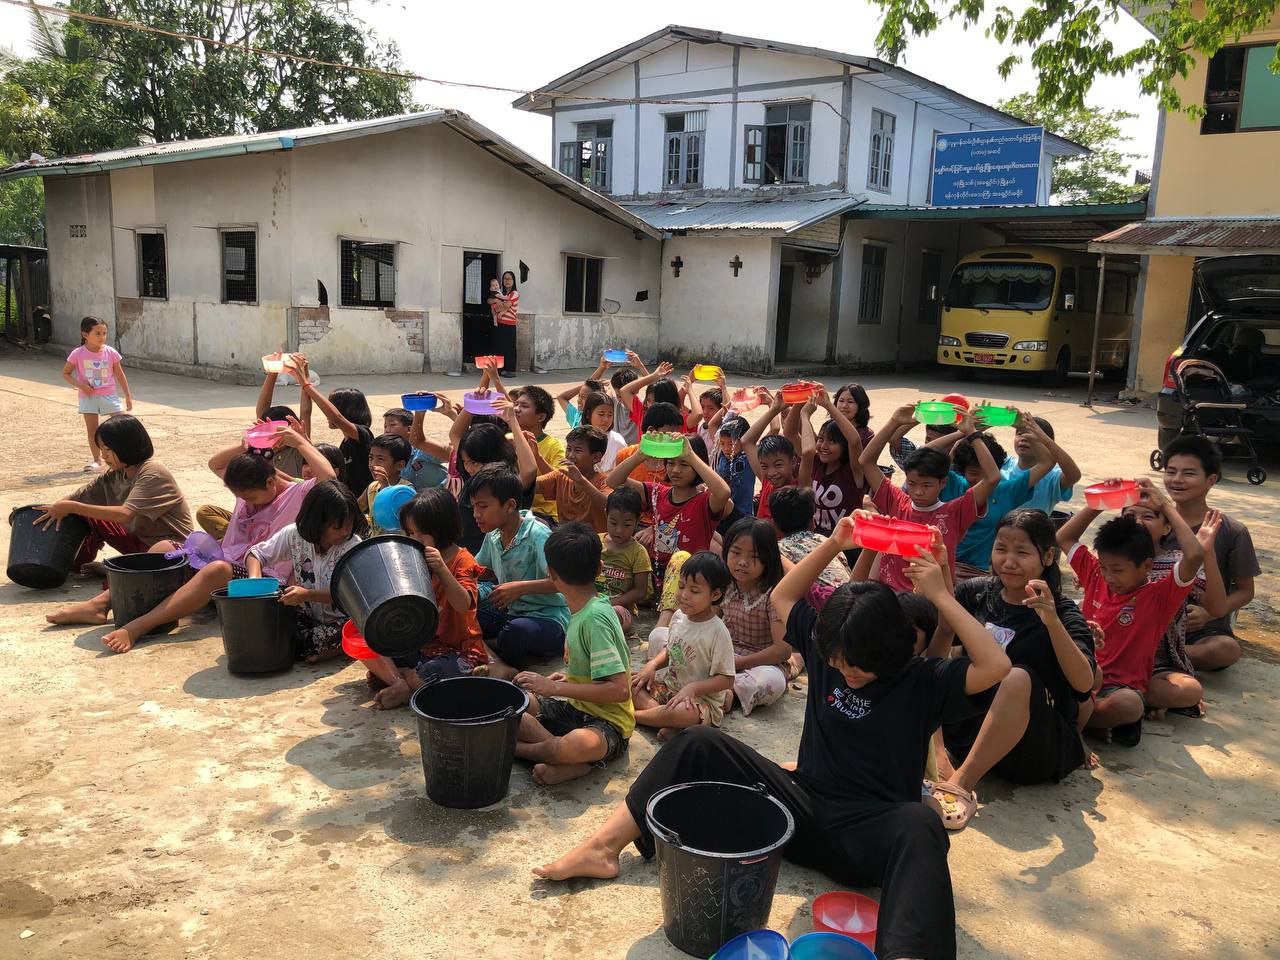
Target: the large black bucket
pixel 467 728
pixel 719 849
pixel 257 632
pixel 384 585
pixel 140 582
pixel 40 556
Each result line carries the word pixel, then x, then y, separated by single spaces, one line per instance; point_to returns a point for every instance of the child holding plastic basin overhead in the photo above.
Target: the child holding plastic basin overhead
pixel 927 470
pixel 583 716
pixel 328 525
pixel 1132 611
pixel 266 502
pixel 457 649
pixel 773 459
pixel 855 794
pixel 424 470
pixel 346 411
pixel 838 486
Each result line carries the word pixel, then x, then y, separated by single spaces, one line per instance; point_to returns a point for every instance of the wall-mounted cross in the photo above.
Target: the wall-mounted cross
pixel 736 263
pixel 676 264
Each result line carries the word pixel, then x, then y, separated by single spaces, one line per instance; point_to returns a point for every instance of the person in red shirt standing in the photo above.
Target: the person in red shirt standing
pixel 505 304
pixel 1132 611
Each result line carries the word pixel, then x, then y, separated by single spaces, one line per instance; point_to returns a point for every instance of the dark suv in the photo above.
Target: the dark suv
pixel 1240 334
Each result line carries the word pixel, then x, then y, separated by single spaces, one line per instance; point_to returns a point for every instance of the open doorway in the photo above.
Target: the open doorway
pixel 478 268
pixel 786 277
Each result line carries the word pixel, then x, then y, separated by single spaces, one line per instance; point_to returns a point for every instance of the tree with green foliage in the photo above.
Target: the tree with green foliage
pixel 1103 176
pixel 94 86
pixel 1067 41
pixel 21 211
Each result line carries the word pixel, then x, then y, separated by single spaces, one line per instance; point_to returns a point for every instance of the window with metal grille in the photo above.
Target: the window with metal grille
pixel 880 169
pixel 153 273
pixel 368 273
pixel 582 284
pixel 871 294
pixel 777 151
pixel 586 158
pixel 684 136
pixel 239 266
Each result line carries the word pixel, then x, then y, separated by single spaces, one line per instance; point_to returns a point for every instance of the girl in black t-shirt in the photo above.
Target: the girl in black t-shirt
pixel 855 793
pixel 1029 732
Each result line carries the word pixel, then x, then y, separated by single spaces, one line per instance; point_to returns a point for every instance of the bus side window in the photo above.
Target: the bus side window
pixel 1067 289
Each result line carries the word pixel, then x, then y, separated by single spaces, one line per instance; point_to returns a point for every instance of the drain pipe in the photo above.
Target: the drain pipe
pixel 902 293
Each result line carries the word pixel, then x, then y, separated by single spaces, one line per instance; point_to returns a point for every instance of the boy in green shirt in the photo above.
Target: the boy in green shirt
pixel 583 716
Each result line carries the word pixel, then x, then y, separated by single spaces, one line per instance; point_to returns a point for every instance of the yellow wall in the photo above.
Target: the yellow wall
pixel 1218 174
pixel 1199 175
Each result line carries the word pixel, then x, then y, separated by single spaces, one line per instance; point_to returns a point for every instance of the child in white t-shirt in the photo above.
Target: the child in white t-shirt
pixel 95 370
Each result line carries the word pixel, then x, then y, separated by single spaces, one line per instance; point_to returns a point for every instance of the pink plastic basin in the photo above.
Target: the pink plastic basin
pixel 886 535
pixel 1112 495
pixel 848 913
pixel 490 361
pixel 264 436
pixel 482 404
pixel 744 400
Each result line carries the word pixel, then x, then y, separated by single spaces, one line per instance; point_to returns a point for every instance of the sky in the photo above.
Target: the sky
pixel 522 45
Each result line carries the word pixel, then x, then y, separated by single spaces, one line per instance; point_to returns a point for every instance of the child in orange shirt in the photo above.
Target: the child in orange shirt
pixel 578 488
pixel 432 519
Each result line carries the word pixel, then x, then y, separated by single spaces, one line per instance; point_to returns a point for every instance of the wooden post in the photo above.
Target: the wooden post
pixel 25 306
pixel 8 286
pixel 1097 322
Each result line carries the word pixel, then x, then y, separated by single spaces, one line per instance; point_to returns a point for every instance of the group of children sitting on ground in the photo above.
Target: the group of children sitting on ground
pixel 542 550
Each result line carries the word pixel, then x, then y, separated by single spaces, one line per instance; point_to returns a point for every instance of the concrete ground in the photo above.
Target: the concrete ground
pixel 155 805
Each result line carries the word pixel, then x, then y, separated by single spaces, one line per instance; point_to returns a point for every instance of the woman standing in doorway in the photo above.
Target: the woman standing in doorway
pixel 505 304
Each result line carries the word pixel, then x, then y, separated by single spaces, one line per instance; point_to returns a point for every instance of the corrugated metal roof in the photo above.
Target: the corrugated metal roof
pixel 1202 236
pixel 148 154
pixel 781 215
pixel 887 76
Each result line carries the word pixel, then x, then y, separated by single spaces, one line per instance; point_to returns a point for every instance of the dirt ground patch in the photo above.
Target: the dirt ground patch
pixel 154 805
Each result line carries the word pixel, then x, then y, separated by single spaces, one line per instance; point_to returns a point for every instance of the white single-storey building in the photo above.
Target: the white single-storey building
pixel 366 245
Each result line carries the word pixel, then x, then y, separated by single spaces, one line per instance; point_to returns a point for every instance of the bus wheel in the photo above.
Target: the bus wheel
pixel 1057 377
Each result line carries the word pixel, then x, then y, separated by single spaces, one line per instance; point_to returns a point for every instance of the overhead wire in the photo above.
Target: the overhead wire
pixel 533 95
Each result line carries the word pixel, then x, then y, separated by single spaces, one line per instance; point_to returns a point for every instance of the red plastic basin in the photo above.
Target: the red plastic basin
pixel 744 400
pixel 887 535
pixel 848 913
pixel 1112 495
pixel 798 392
pixel 353 643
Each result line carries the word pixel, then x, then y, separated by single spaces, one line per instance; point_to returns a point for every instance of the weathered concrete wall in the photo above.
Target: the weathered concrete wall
pixel 710 315
pixel 80 267
pixel 427 190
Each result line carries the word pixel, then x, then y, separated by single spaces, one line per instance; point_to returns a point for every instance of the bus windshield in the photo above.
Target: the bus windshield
pixel 1001 286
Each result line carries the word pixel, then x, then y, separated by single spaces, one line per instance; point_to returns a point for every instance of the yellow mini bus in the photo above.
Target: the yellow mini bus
pixel 1031 309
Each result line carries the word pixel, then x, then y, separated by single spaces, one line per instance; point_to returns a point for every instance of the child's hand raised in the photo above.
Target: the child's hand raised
pixel 843 533
pixel 1040 599
pixel 904 415
pixel 1152 494
pixel 1209 528
pixel 822 398
pixel 926 574
pixel 663 369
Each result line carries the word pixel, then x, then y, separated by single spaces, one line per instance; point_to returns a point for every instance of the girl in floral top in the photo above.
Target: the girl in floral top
pixel 761 652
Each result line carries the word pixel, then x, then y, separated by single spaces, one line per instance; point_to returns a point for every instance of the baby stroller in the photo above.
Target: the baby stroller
pixel 1208 410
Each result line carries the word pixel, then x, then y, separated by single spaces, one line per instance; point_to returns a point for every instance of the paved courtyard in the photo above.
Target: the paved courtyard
pixel 153 805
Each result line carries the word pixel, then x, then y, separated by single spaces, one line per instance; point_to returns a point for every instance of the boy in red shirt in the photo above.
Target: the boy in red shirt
pixel 1132 612
pixel 927 470
pixel 774 459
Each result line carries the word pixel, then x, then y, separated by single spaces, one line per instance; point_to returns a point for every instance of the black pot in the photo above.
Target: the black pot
pixel 467 728
pixel 140 582
pixel 384 585
pixel 257 632
pixel 41 556
pixel 716 872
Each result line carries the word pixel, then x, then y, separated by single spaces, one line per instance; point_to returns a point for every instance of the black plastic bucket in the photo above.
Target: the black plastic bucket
pixel 384 585
pixel 467 728
pixel 719 849
pixel 1059 517
pixel 41 556
pixel 140 582
pixel 257 632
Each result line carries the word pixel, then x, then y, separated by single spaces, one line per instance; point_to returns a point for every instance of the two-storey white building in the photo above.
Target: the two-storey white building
pixel 767 166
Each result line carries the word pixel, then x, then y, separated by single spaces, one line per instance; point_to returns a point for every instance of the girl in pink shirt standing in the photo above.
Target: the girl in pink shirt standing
pixel 95 370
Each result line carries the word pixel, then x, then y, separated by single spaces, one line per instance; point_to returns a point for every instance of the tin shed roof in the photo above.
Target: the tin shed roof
pixel 764 216
pixel 149 154
pixel 1198 237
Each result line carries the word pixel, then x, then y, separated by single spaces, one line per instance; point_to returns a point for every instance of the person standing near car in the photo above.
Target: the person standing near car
pixel 1192 465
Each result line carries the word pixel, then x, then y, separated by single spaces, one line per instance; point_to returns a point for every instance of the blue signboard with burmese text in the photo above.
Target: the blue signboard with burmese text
pixel 987 168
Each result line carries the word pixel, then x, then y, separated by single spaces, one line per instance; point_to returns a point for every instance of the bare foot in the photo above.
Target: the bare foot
pixel 118 640
pixel 1091 761
pixel 92 612
pixel 93 570
pixel 1155 713
pixel 666 733
pixel 549 774
pixel 328 653
pixel 391 697
pixel 480 670
pixel 583 861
